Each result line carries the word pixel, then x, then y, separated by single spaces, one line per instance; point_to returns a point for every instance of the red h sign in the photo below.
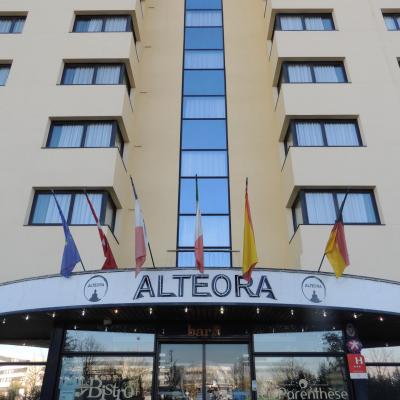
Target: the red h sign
pixel 357 367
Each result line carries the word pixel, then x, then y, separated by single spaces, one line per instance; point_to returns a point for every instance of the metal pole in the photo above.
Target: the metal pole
pixel 148 242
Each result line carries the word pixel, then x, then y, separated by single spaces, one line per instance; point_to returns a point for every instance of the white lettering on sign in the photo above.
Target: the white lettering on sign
pixel 96 389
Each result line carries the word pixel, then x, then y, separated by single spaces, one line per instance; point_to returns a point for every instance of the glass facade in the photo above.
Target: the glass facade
pixel 204 147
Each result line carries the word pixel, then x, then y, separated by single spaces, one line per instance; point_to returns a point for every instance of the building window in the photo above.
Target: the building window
pixel 22 365
pixel 383 367
pixel 108 363
pixel 203 4
pixel 322 207
pixel 392 22
pixel 304 22
pixel 313 72
pixel 11 24
pixel 95 74
pixel 204 151
pixel 74 207
pixel 103 23
pixel 308 133
pixel 85 134
pixel 296 363
pixel 4 71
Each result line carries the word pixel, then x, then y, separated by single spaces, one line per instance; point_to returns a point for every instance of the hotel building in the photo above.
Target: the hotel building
pixel 300 97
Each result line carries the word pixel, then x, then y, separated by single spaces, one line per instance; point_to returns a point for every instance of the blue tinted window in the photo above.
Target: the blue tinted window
pixel 204 59
pixel 204 134
pixel 204 107
pixel 204 83
pixel 211 259
pixel 204 163
pixel 213 196
pixel 203 4
pixel 203 18
pixel 203 38
pixel 215 231
pixel 4 71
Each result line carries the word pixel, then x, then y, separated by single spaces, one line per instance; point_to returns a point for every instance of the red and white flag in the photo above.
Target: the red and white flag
pixel 198 240
pixel 141 241
pixel 109 262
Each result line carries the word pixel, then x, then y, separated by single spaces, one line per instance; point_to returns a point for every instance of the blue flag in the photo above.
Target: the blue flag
pixel 71 255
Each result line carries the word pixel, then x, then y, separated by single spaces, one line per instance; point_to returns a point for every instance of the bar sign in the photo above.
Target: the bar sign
pixel 357 367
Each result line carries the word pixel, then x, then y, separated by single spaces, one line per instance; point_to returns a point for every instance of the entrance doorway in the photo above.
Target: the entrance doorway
pixel 212 371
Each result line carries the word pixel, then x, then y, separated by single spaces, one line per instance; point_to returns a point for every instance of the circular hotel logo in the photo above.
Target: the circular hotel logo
pixel 313 289
pixel 96 288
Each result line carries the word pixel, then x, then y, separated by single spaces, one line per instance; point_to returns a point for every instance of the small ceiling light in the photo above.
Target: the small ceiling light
pixel 302 329
pixel 355 315
pixel 116 311
pixel 150 311
pixel 221 310
pixel 324 314
pixel 386 344
pixel 258 310
pixel 83 312
pixel 4 321
pixel 26 317
pixel 186 309
pixel 334 328
pixel 292 312
pixel 381 318
pixel 106 329
pixel 53 315
pixel 75 327
pixel 135 330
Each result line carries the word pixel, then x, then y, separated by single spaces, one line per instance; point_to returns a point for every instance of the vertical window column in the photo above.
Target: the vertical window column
pixel 204 149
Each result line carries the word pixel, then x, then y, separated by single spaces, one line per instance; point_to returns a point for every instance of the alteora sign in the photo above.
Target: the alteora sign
pixel 219 286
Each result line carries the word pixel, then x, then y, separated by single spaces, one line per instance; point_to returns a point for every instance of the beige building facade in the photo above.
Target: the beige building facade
pixel 300 97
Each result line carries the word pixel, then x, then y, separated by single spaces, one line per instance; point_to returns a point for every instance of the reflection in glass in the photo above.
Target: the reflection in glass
pixel 329 341
pixel 227 372
pixel 387 354
pixel 383 382
pixel 108 378
pixel 213 196
pixel 23 352
pixel 204 83
pixel 215 231
pixel 204 38
pixel 19 382
pixel 96 341
pixel 180 372
pixel 204 134
pixel 280 378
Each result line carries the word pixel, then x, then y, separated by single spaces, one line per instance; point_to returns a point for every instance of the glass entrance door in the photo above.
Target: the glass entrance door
pixel 204 372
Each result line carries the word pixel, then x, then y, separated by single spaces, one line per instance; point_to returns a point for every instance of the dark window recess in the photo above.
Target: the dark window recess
pixel 74 206
pixel 309 133
pixel 392 22
pixel 312 72
pixel 4 71
pixel 85 134
pixel 95 74
pixel 304 22
pixel 10 24
pixel 103 23
pixel 322 207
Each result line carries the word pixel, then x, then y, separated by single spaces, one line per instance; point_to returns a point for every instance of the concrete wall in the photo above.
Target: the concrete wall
pixel 150 121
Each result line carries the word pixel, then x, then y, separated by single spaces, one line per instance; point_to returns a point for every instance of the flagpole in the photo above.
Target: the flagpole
pixel 148 242
pixel 83 266
pixel 337 219
pixel 247 183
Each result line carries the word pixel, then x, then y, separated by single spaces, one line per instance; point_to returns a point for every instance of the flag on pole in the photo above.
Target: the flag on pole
pixel 336 249
pixel 71 255
pixel 250 258
pixel 109 262
pixel 141 241
pixel 198 239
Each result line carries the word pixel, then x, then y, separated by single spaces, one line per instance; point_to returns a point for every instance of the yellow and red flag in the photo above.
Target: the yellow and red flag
pixel 336 249
pixel 250 258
